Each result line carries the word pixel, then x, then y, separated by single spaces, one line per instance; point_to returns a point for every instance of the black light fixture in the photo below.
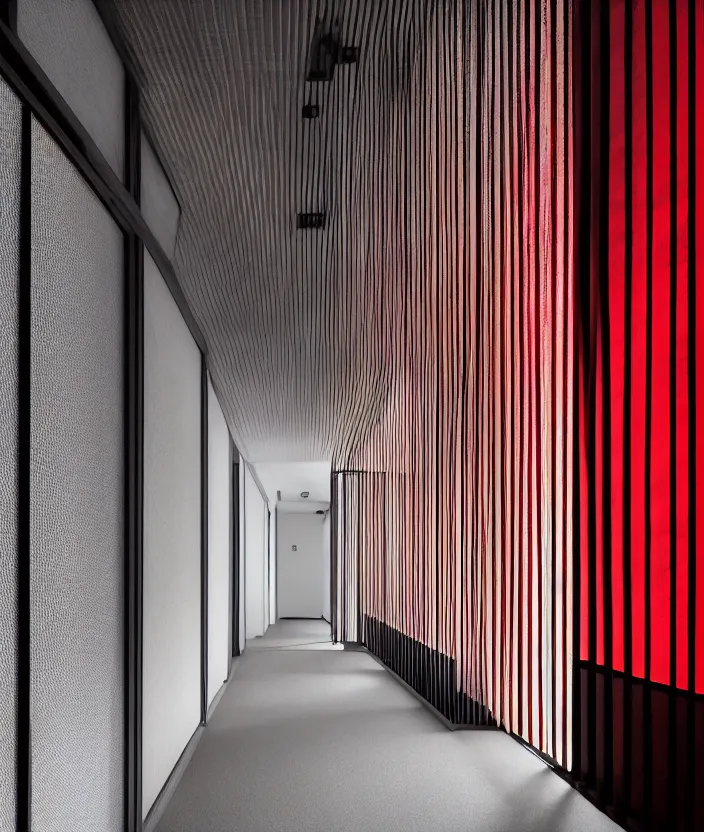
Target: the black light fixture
pixel 311 111
pixel 347 54
pixel 326 52
pixel 305 494
pixel 315 221
pixel 322 58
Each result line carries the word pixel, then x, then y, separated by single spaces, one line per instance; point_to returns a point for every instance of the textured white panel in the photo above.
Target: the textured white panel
pixel 267 563
pixel 10 133
pixel 219 551
pixel 68 40
pixel 301 571
pixel 77 515
pixel 172 471
pixel 326 568
pixel 157 201
pixel 255 554
pixel 243 559
pixel 272 571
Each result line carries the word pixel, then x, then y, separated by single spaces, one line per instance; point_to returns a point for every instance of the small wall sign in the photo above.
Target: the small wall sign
pixel 294 548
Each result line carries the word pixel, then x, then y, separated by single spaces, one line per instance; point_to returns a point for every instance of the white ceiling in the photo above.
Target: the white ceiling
pixel 291 478
pixel 301 508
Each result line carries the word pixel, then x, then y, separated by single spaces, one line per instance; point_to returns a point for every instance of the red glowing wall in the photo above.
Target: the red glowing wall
pixel 642 573
pixel 529 507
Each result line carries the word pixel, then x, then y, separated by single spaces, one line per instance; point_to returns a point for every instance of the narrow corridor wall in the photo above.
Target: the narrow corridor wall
pixel 243 554
pixel 464 495
pixel 172 535
pixel 640 552
pixel 10 157
pixel 219 544
pixel 326 568
pixel 257 557
pixel 523 513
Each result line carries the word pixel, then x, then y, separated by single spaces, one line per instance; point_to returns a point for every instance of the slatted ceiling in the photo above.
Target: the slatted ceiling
pixel 299 324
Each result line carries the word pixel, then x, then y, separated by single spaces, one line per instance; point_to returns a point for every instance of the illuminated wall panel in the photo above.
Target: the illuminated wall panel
pixel 641 660
pixel 517 536
pixel 461 514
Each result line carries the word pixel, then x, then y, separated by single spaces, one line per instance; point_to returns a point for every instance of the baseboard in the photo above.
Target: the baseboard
pixel 218 696
pixel 158 808
pixel 451 726
pixel 163 799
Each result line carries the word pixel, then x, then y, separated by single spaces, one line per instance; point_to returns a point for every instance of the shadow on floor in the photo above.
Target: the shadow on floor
pixel 327 741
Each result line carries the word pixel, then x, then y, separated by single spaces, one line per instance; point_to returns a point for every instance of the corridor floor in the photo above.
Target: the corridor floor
pixel 308 738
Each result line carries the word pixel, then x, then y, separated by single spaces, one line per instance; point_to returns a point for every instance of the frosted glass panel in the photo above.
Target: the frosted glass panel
pixel 273 575
pixel 69 42
pixel 256 555
pixel 243 557
pixel 10 132
pixel 219 550
pixel 77 521
pixel 172 535
pixel 158 203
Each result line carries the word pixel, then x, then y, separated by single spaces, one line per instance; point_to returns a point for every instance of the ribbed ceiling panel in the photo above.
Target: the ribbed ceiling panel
pixel 297 322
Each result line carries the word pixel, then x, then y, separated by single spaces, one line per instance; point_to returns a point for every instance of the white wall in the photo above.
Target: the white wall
pixel 77 482
pixel 157 201
pixel 256 558
pixel 273 615
pixel 267 566
pixel 219 551
pixel 326 568
pixel 172 535
pixel 10 172
pixel 243 559
pixel 301 573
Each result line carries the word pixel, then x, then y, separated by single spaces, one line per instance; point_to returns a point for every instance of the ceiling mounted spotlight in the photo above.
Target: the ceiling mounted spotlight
pixel 320 511
pixel 305 494
pixel 347 54
pixel 316 221
pixel 311 111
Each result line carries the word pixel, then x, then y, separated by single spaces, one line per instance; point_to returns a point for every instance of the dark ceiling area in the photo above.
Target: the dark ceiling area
pixel 299 322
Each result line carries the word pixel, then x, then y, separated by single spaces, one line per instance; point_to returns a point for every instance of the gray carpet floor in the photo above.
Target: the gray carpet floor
pixel 308 738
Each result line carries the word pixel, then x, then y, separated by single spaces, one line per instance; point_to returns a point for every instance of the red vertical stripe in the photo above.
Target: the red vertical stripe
pixel 682 340
pixel 599 463
pixel 617 230
pixel 583 526
pixel 660 443
pixel 699 219
pixel 595 429
pixel 639 289
pixel 515 516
